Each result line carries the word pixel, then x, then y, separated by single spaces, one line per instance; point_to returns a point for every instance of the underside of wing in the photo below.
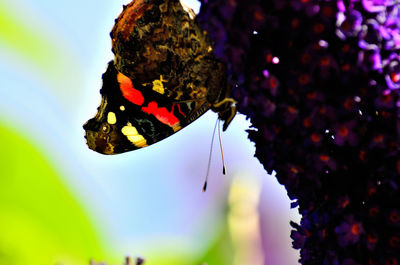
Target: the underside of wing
pixel 160 46
pixel 131 116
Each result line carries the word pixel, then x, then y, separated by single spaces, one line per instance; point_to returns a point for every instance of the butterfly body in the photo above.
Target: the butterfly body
pixel 163 77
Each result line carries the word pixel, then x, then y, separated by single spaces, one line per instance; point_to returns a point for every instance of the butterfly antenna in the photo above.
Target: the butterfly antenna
pixel 220 146
pixel 209 157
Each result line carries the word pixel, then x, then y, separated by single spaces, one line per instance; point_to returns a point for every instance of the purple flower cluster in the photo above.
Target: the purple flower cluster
pixel 320 82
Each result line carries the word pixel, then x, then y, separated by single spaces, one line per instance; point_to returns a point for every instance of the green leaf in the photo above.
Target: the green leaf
pixel 40 220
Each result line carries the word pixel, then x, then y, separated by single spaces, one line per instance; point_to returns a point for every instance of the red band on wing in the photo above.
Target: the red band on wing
pixel 128 91
pixel 162 114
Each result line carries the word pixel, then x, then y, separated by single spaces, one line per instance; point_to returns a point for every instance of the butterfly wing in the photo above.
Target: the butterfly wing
pixel 159 45
pixel 131 116
pixel 163 77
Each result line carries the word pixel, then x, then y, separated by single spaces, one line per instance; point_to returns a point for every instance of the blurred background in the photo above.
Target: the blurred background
pixel 61 203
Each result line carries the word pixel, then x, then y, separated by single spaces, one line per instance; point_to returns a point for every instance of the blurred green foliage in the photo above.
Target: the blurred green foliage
pixel 41 222
pixel 17 31
pixel 221 251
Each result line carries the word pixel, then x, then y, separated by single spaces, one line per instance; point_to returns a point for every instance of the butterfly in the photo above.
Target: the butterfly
pixel 163 77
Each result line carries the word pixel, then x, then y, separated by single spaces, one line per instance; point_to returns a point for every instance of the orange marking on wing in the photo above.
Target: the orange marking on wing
pixel 162 114
pixel 128 91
